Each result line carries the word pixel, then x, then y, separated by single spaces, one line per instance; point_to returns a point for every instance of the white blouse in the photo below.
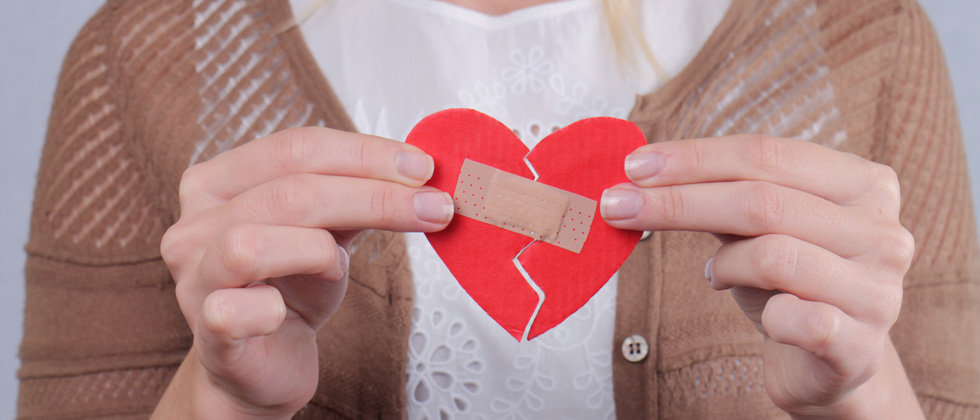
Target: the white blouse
pixel 540 68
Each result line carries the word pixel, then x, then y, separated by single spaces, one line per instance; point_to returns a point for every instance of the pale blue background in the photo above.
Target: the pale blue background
pixel 34 36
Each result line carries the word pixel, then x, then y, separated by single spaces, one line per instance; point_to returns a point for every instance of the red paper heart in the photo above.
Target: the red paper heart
pixel 584 158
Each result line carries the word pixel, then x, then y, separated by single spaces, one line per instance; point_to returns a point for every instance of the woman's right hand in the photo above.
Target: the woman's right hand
pixel 260 259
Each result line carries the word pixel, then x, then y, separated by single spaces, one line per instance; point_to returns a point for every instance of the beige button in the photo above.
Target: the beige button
pixel 635 348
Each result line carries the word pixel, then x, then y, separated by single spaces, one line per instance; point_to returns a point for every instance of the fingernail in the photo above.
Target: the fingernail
pixel 343 259
pixel 414 165
pixel 643 165
pixel 618 204
pixel 433 206
pixel 707 269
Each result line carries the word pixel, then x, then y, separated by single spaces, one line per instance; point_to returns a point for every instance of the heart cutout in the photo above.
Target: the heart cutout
pixel 584 158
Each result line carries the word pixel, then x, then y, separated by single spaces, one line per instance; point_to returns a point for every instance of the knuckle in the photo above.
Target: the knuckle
pixel 674 205
pixel 168 244
pixel 770 154
pixel 382 204
pixel 238 250
pixel 903 245
pixel 823 325
pixel 896 249
pixel 883 308
pixel 192 184
pixel 884 180
pixel 777 261
pixel 361 155
pixel 671 205
pixel 699 155
pixel 352 154
pixel 889 305
pixel 174 248
pixel 766 206
pixel 291 149
pixel 288 199
pixel 349 155
pixel 883 298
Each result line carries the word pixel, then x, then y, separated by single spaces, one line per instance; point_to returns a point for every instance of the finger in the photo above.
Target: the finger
pixel 249 253
pixel 752 302
pixel 848 349
pixel 839 177
pixel 342 203
pixel 313 150
pixel 745 208
pixel 784 263
pixel 231 316
pixel 311 298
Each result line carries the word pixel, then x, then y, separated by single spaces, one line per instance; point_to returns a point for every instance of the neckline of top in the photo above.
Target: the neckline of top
pixel 496 22
pixel 728 33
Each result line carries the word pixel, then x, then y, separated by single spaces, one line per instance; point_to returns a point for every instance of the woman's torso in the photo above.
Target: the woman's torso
pixel 392 62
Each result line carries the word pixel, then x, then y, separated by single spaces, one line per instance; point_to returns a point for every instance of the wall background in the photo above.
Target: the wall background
pixel 34 40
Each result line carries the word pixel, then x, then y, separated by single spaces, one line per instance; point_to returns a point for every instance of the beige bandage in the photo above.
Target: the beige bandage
pixel 523 206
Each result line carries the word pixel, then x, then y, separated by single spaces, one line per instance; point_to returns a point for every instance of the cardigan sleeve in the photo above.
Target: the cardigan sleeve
pixel 103 333
pixel 938 331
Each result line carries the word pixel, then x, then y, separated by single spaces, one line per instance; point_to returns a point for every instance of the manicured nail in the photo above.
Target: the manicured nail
pixel 707 269
pixel 619 204
pixel 433 206
pixel 414 165
pixel 343 259
pixel 643 165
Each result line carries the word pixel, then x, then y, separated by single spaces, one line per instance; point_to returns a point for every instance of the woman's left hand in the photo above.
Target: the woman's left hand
pixel 813 253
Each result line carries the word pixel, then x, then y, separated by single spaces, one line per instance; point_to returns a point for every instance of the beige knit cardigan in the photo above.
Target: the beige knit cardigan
pixel 152 86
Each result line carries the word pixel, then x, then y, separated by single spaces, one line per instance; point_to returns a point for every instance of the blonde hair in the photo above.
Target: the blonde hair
pixel 621 15
pixel 627 30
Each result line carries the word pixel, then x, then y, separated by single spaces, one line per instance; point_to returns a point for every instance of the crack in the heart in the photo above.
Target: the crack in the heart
pixel 520 268
pixel 537 290
pixel 531 167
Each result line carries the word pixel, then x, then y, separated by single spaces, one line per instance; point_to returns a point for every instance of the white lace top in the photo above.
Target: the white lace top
pixel 392 62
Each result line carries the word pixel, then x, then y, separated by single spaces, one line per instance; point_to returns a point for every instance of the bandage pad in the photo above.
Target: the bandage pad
pixel 523 206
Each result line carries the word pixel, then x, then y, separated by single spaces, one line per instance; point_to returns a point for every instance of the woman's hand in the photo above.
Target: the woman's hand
pixel 813 253
pixel 260 259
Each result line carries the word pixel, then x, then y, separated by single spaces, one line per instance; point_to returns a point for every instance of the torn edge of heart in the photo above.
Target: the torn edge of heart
pixel 534 286
pixel 527 207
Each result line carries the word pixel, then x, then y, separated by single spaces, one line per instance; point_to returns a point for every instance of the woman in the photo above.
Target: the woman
pixel 258 249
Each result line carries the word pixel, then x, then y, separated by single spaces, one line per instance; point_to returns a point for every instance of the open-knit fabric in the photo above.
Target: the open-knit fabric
pixel 150 87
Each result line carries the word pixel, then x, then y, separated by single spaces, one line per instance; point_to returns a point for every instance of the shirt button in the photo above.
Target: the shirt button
pixel 635 348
